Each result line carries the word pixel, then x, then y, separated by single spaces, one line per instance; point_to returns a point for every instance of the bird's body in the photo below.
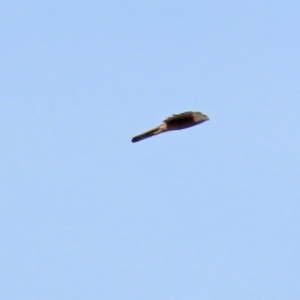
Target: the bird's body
pixel 175 122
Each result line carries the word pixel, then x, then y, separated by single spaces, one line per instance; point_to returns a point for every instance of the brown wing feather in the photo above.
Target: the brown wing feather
pixel 184 115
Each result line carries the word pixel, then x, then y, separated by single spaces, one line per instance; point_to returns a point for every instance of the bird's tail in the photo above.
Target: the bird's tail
pixel 147 134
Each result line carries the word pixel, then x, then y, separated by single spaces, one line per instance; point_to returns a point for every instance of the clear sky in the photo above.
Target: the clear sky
pixel 211 212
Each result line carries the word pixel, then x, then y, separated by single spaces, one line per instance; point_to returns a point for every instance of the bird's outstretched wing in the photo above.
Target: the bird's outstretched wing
pixel 184 115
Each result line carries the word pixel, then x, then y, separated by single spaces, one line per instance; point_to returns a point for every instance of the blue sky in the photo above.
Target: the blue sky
pixel 211 212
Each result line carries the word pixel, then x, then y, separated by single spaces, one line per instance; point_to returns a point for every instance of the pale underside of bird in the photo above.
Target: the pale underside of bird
pixel 176 122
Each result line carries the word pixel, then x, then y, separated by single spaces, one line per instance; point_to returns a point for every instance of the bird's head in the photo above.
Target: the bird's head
pixel 200 117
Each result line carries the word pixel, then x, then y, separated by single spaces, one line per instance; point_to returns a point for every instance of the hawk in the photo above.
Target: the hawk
pixel 176 122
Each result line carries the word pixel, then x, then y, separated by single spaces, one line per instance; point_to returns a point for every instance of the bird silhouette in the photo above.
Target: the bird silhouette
pixel 176 122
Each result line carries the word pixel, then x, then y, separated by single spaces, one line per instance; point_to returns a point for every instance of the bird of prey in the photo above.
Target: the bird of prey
pixel 176 122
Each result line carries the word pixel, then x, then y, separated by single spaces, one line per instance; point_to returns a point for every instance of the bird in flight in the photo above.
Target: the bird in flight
pixel 176 122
